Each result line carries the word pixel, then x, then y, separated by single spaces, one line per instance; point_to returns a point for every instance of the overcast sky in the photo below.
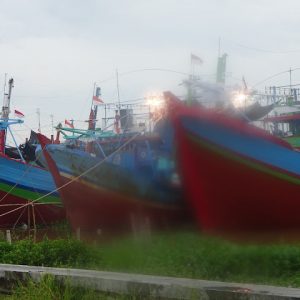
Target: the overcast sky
pixel 57 49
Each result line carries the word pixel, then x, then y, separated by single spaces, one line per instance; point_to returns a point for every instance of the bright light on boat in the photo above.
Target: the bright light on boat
pixel 154 100
pixel 239 99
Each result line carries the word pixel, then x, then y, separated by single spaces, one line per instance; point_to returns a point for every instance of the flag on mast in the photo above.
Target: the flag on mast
pixel 18 114
pixel 196 59
pixel 97 100
pixel 68 123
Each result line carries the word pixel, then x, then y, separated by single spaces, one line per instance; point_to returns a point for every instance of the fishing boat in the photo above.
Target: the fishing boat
pixel 286 126
pixel 116 182
pixel 24 186
pixel 284 122
pixel 236 177
pixel 254 112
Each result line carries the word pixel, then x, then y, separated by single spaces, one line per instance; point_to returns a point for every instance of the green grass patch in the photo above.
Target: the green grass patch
pixel 50 289
pixel 181 254
pixel 51 253
pixel 191 255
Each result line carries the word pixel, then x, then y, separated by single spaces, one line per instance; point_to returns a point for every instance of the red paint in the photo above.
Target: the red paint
pixel 91 208
pixel 15 210
pixel 2 141
pixel 227 195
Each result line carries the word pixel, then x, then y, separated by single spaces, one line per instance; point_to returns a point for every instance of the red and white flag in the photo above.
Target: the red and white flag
pixel 97 100
pixel 18 114
pixel 68 123
pixel 196 60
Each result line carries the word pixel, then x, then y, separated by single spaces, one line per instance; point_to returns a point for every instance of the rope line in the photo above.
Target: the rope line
pixel 75 178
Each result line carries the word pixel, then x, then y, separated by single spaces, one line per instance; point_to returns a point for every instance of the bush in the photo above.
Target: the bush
pixel 55 253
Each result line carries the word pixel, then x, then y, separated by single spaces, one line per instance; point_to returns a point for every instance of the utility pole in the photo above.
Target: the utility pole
pixel 38 112
pixel 291 81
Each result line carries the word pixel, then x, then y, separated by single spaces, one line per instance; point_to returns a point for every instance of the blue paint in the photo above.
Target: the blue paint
pixel 26 176
pixel 135 170
pixel 248 145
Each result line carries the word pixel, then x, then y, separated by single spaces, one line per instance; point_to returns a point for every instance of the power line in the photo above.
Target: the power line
pixel 275 75
pixel 263 50
pixel 287 86
pixel 144 70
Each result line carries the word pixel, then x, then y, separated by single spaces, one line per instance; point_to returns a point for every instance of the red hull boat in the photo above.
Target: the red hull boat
pixel 236 177
pixel 91 205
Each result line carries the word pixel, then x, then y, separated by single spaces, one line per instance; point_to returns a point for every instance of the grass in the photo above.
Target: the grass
pixel 51 289
pixel 181 254
pixel 52 253
pixel 191 255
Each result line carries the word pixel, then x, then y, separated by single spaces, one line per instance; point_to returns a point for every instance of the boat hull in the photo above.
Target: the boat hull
pixel 113 196
pixel 92 208
pixel 16 211
pixel 228 195
pixel 236 177
pixel 23 195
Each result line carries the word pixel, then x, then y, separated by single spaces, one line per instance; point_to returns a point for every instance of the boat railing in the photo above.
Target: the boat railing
pixel 5 124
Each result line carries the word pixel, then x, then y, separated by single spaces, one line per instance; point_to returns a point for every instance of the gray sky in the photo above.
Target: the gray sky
pixel 57 49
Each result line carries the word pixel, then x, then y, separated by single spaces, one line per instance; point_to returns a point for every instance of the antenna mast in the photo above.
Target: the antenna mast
pixel 6 101
pixel 118 90
pixel 94 107
pixel 5 112
pixel 52 123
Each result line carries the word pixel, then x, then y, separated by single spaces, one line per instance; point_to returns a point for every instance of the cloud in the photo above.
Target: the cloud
pixel 56 50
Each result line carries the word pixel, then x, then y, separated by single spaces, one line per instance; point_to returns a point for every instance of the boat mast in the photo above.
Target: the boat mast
pixel 6 102
pixel 38 112
pixel 5 113
pixel 221 66
pixel 118 111
pixel 97 94
pixel 94 108
pixel 118 90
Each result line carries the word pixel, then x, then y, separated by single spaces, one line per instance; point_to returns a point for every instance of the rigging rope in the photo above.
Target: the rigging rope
pixel 74 179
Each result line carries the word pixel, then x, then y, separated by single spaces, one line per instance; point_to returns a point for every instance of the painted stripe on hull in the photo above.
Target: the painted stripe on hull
pixel 271 170
pixel 30 188
pixel 247 145
pixel 27 195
